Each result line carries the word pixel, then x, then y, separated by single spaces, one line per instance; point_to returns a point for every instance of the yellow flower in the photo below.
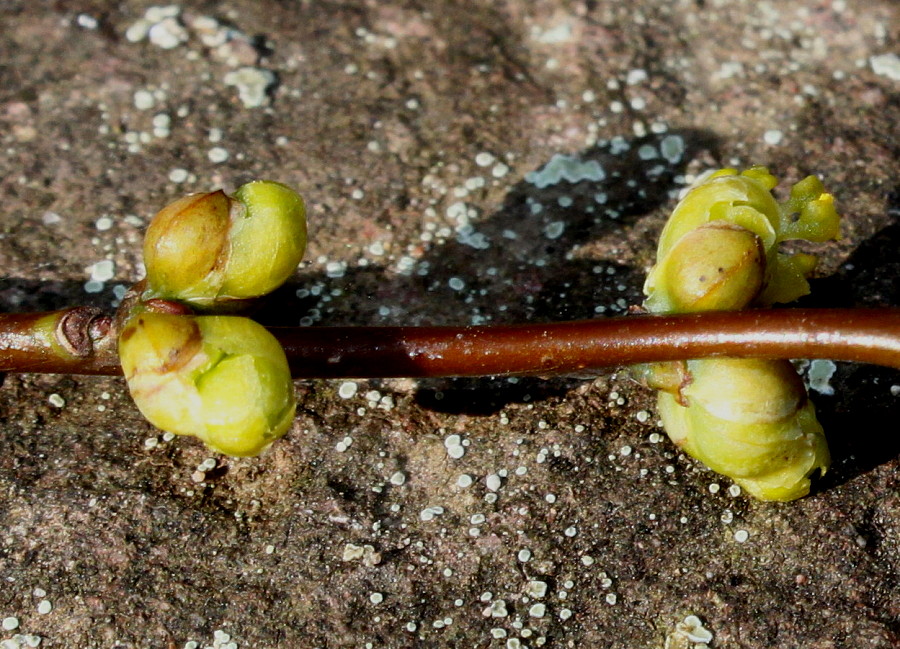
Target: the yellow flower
pixel 224 379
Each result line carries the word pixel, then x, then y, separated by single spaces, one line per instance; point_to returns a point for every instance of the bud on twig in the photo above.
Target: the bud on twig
pixel 748 419
pixel 224 379
pixel 208 249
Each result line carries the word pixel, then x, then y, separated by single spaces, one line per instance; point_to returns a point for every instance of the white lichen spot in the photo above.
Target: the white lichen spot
pixel 56 400
pixel 352 552
pixel 376 598
pixel 524 555
pixel 554 230
pixel 648 152
pixel 565 168
pixel 253 85
pixel 168 33
pixel 536 589
pixel 537 610
pixel 178 175
pixel 636 76
pixel 10 623
pixel 741 536
pixel 144 100
pixel 464 481
pixel 335 269
pixel 493 482
pixel 819 376
pixel 429 513
pixel 691 629
pixel 484 159
pixel 886 65
pixel 102 271
pixel 217 154
pixel 773 137
pixel 499 170
pixel 672 148
pixel 456 283
pixel 498 608
pixel 398 478
pixel 348 390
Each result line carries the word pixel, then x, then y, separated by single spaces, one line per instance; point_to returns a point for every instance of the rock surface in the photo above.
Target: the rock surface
pixel 424 136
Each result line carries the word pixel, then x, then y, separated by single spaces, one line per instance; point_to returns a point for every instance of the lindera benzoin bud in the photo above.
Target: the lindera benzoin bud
pixel 747 419
pixel 209 249
pixel 223 379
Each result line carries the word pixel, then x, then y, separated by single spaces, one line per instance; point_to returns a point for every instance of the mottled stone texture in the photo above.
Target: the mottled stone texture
pixel 379 113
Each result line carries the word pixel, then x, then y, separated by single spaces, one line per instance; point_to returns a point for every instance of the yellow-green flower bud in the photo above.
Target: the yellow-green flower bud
pixel 209 248
pixel 224 379
pixel 750 420
pixel 747 419
pixel 186 246
pixel 745 200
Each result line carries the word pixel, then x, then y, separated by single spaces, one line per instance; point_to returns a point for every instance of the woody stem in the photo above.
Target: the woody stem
pixel 44 343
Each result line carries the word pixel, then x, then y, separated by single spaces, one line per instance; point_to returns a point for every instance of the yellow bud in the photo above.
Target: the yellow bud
pixel 751 421
pixel 733 199
pixel 207 249
pixel 747 419
pixel 223 379
pixel 267 241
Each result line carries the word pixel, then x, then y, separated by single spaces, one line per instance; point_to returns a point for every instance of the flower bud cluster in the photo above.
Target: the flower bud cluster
pixel 747 419
pixel 223 379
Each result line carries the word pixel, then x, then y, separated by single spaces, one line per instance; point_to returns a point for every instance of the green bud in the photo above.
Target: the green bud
pixel 224 379
pixel 747 419
pixel 745 200
pixel 751 421
pixel 186 246
pixel 206 249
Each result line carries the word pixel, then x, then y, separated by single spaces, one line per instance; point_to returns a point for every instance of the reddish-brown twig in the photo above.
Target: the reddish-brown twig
pixel 580 347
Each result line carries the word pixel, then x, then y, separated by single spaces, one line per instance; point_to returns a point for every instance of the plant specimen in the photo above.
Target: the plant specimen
pixel 194 368
pixel 749 419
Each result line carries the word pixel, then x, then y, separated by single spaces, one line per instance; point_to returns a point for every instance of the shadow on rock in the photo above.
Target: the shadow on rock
pixel 855 416
pixel 519 264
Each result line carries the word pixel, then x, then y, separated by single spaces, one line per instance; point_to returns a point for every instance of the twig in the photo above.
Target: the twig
pixel 580 347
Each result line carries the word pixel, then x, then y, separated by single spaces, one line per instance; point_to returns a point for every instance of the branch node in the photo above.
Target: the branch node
pixel 79 327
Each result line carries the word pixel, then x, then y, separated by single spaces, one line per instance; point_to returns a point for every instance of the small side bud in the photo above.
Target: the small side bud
pixel 207 249
pixel 186 247
pixel 223 379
